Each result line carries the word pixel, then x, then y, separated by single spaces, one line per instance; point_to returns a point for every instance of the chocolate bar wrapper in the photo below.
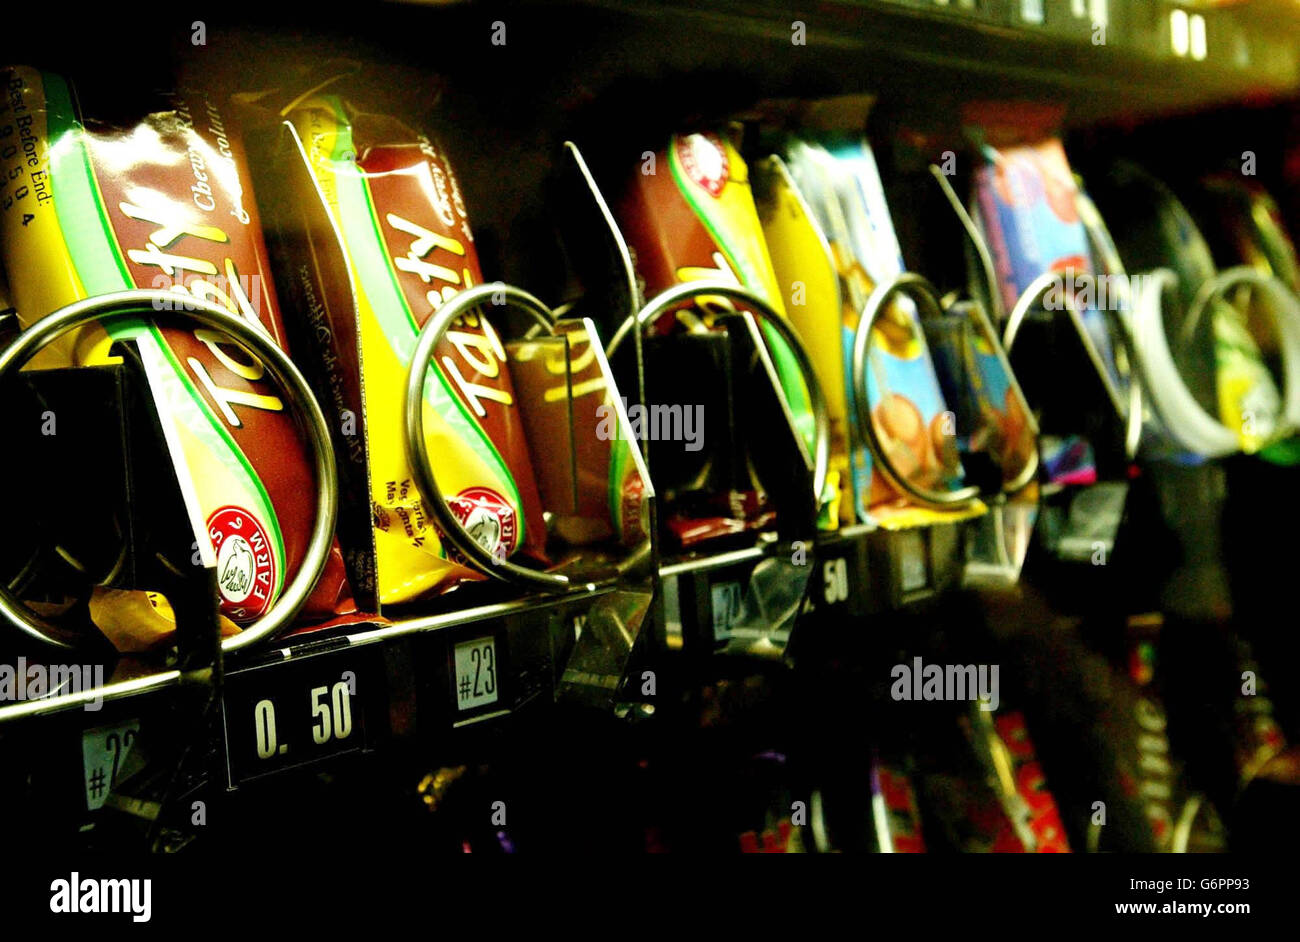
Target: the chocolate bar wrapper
pixel 841 185
pixel 377 238
pixel 1221 364
pixel 164 201
pixel 695 219
pixel 1027 207
pixel 995 799
pixel 593 481
pixel 1249 218
pixel 805 269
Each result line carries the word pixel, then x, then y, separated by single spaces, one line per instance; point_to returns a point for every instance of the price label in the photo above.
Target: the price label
pixel 284 714
pixel 835 580
pixel 839 585
pixel 104 751
pixel 476 673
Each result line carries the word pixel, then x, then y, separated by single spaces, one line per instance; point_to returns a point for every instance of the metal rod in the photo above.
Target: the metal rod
pixel 921 291
pixel 153 302
pixel 451 529
pixel 669 299
pixel 1104 248
pixel 1285 314
pixel 417 453
pixel 112 691
pixel 975 238
pixel 1037 288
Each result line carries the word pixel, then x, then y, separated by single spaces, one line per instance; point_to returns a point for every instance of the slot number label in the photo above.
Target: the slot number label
pixel 476 673
pixel 104 751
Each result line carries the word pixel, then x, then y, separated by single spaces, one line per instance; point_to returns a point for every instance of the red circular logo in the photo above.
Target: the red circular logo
pixel 488 518
pixel 704 160
pixel 245 563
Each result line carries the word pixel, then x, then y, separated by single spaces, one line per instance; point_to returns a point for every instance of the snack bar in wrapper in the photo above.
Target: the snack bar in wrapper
pixel 695 219
pixel 164 201
pixel 1027 206
pixel 376 238
pixel 804 267
pixel 1252 231
pixel 589 469
pixel 840 186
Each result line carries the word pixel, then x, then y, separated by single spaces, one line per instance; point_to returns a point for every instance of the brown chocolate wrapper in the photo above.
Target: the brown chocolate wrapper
pixel 590 481
pixel 672 244
pixel 374 237
pixel 161 198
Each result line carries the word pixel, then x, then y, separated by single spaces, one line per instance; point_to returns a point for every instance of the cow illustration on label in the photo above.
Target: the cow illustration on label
pixel 488 518
pixel 245 564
